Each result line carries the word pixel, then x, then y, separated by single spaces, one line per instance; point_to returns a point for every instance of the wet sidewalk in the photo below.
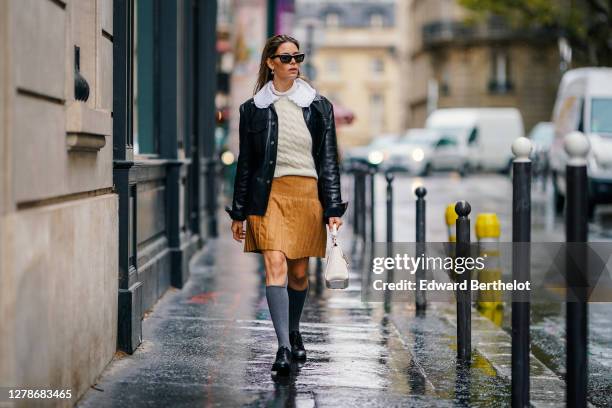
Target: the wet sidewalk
pixel 212 344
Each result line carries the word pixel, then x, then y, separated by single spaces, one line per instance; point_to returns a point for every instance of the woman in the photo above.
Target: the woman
pixel 287 186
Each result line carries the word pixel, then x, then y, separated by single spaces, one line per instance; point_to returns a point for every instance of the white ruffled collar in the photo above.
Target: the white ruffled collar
pixel 302 95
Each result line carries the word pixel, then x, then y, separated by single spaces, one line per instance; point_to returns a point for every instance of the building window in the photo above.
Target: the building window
pixel 332 19
pixel 444 87
pixel 500 72
pixel 377 112
pixel 378 66
pixel 376 20
pixel 144 56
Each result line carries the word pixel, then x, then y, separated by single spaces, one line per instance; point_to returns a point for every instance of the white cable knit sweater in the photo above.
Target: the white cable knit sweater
pixel 294 150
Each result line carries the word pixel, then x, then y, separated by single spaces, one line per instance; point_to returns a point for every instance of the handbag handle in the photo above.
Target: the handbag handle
pixel 334 234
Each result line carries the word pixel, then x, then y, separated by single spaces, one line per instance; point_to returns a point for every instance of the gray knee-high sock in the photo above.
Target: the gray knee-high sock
pixel 278 303
pixel 297 298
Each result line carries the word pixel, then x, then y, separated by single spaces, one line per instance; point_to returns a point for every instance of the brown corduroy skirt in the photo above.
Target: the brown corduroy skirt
pixel 293 222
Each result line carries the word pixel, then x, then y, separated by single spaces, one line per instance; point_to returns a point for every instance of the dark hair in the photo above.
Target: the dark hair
pixel 272 44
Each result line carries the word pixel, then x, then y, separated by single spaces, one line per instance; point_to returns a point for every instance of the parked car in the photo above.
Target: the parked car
pixel 484 135
pixel 541 137
pixel 375 152
pixel 422 151
pixel 414 150
pixel 584 104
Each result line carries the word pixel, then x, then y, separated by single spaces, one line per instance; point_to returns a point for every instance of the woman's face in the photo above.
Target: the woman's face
pixel 285 71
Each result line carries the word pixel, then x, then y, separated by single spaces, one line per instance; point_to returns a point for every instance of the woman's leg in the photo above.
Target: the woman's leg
pixel 276 294
pixel 297 290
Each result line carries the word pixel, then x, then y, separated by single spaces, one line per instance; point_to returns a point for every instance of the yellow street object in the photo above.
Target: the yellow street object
pixel 450 217
pixel 488 231
pixel 487 226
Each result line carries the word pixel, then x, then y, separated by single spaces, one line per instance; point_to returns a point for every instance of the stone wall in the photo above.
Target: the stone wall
pixel 466 72
pixel 58 208
pixel 58 302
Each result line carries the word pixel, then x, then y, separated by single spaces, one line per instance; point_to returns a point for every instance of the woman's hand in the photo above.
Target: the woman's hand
pixel 238 230
pixel 332 221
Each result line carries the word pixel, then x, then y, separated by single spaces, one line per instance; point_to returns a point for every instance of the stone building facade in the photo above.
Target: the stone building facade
pixel 455 64
pixel 107 176
pixel 357 52
pixel 58 234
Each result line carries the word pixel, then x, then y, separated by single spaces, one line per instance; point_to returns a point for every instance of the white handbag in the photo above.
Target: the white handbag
pixel 336 268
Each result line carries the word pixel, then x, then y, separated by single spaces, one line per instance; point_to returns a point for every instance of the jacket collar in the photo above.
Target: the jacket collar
pixel 303 95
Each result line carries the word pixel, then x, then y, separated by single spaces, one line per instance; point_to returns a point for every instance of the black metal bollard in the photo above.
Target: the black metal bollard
pixel 464 296
pixel 389 178
pixel 364 205
pixel 213 169
pixel 521 256
pixel 350 211
pixel 390 272
pixel 420 192
pixel 360 171
pixel 373 171
pixel 576 230
pixel 319 276
pixel 356 196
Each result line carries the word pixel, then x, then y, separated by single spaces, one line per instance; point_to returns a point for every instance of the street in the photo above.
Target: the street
pixel 485 193
pixel 493 193
pixel 212 343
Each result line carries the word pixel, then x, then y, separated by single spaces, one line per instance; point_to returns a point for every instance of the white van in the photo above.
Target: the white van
pixel 584 103
pixel 488 134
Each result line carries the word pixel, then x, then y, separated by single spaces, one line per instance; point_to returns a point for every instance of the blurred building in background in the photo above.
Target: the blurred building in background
pixel 108 169
pixel 457 64
pixel 281 17
pixel 356 59
pixel 247 35
pixel 223 101
pixel 225 65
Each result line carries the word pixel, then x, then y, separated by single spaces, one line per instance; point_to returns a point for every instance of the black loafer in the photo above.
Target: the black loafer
pixel 282 364
pixel 297 346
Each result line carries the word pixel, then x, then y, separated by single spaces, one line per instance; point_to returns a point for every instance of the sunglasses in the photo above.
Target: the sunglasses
pixel 286 58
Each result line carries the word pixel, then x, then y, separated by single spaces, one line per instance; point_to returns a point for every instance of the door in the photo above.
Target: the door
pixel 445 155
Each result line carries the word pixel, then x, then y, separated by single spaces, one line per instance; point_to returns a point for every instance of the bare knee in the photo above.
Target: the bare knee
pixel 276 268
pixel 298 273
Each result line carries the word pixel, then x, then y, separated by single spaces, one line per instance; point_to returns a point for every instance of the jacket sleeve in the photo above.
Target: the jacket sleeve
pixel 330 169
pixel 241 181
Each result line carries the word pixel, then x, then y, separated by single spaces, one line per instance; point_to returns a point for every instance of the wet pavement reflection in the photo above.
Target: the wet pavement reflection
pixel 492 193
pixel 212 343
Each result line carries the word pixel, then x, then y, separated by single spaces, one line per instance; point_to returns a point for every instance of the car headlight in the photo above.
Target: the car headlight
pixel 418 155
pixel 376 157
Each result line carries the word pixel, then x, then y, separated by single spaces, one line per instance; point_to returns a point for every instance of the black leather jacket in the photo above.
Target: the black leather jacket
pixel 258 131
